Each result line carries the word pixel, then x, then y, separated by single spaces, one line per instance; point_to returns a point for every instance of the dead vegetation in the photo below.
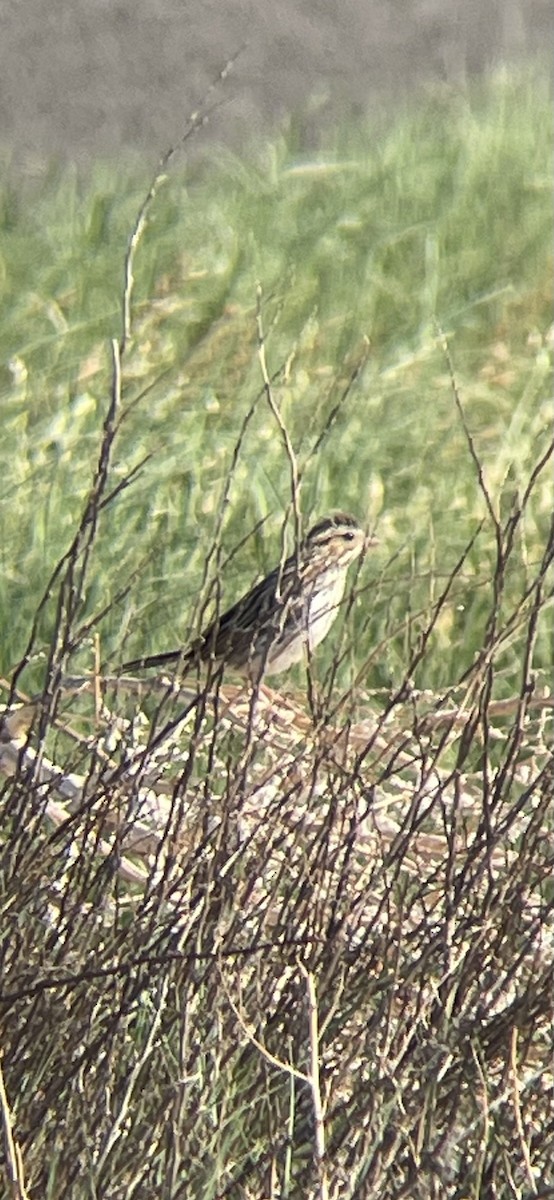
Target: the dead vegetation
pixel 252 949
pixel 263 945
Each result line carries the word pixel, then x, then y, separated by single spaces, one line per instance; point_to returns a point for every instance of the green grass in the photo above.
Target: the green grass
pixel 406 863
pixel 442 215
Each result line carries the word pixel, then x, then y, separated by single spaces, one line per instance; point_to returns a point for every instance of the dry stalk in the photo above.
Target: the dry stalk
pixel 14 1157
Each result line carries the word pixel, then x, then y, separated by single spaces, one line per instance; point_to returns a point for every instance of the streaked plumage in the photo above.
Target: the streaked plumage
pixel 288 612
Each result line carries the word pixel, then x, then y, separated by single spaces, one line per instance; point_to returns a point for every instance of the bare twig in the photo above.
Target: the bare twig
pixel 289 449
pixel 196 122
pixel 315 1084
pixel 516 1100
pixel 14 1158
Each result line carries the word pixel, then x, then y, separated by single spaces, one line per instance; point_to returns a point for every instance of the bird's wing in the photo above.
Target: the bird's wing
pixel 256 619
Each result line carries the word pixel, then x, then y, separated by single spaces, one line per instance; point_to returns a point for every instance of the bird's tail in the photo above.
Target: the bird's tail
pixel 172 658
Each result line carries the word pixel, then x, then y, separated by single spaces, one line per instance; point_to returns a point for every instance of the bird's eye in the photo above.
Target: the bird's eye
pixel 349 537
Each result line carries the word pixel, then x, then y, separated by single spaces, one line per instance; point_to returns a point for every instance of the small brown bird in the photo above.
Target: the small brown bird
pixel 285 615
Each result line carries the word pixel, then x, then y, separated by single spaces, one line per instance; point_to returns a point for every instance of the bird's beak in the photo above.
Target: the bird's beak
pixel 371 541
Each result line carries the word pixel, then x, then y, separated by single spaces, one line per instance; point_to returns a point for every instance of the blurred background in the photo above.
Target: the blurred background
pixel 380 167
pixel 86 79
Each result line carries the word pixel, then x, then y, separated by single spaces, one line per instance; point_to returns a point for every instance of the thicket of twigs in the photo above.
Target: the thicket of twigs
pixel 262 947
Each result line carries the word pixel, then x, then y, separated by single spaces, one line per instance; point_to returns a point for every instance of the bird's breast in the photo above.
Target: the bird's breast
pixel 323 606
